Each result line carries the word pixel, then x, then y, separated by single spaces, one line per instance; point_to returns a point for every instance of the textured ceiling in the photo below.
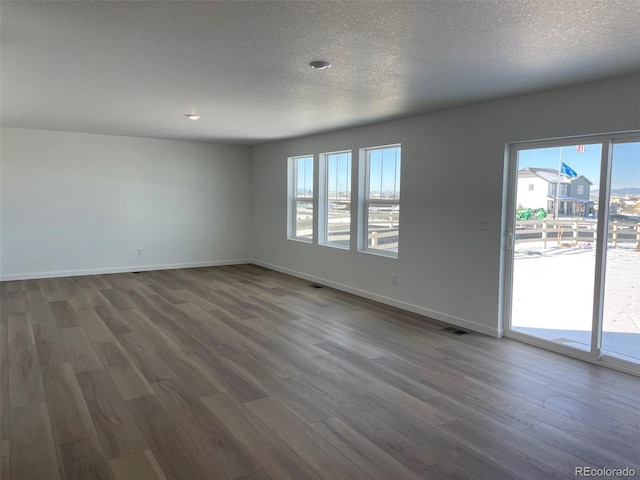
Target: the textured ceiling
pixel 135 68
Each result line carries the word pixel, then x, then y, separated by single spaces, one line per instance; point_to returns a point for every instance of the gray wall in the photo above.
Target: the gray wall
pixel 75 203
pixel 453 164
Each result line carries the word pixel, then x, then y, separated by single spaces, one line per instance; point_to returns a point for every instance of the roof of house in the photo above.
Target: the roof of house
pixel 551 175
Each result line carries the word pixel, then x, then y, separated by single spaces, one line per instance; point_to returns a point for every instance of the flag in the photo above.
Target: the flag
pixel 568 171
pixel 581 148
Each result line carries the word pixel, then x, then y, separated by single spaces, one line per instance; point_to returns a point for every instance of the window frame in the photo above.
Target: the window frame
pixel 324 200
pixel 294 199
pixel 365 201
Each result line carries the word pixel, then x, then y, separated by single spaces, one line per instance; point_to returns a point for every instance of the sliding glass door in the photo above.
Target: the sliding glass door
pixel 621 319
pixel 573 262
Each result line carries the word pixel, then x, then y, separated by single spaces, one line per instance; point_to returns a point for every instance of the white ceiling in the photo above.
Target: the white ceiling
pixel 135 68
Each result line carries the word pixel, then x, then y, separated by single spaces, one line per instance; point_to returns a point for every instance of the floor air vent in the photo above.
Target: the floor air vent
pixel 455 330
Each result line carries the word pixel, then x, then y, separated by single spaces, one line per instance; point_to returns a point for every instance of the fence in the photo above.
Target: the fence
pixel 563 232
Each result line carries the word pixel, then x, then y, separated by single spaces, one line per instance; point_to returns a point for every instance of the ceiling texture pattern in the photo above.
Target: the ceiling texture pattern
pixel 137 67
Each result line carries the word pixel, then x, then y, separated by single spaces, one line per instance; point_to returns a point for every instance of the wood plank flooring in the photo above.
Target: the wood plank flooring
pixel 239 372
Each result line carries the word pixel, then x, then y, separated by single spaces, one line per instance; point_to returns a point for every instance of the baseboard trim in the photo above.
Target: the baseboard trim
pixel 129 269
pixel 443 317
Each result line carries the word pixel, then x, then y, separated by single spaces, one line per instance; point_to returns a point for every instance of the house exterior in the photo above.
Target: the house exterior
pixel 537 189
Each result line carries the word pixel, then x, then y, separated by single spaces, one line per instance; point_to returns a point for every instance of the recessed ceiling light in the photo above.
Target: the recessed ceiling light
pixel 319 64
pixel 192 116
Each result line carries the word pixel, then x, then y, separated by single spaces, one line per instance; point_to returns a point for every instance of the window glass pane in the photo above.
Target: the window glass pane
pixel 338 199
pixel 339 223
pixel 397 182
pixel 339 176
pixel 301 213
pixel 332 180
pixel 304 219
pixel 304 185
pixel 375 173
pixel 383 226
pixel 391 173
pixel 621 322
pixel 384 173
pixel 555 244
pixel 383 191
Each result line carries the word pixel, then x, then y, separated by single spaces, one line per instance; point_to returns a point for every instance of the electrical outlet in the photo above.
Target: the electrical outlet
pixel 483 223
pixel 394 279
pixel 139 252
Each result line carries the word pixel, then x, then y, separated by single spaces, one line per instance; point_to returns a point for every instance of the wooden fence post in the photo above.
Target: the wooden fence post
pixel 575 234
pixel 560 234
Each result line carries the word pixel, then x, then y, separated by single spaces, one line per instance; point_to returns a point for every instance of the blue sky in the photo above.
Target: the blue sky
pixel 626 162
pixel 338 174
pixel 384 170
pixel 305 175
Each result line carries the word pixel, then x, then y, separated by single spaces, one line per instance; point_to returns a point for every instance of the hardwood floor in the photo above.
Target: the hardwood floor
pixel 243 373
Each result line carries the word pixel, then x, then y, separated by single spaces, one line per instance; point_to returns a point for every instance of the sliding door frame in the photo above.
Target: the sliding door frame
pixel 594 355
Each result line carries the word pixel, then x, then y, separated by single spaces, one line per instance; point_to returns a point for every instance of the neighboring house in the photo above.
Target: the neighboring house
pixel 537 189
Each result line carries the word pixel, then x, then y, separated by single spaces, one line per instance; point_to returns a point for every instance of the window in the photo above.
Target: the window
pixel 580 189
pixel 381 205
pixel 337 221
pixel 563 189
pixel 531 186
pixel 320 206
pixel 301 198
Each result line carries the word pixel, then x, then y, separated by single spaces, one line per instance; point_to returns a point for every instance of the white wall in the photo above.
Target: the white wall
pixel 75 203
pixel 452 173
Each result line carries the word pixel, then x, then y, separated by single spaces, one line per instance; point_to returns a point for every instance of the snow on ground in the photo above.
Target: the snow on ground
pixel 553 296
